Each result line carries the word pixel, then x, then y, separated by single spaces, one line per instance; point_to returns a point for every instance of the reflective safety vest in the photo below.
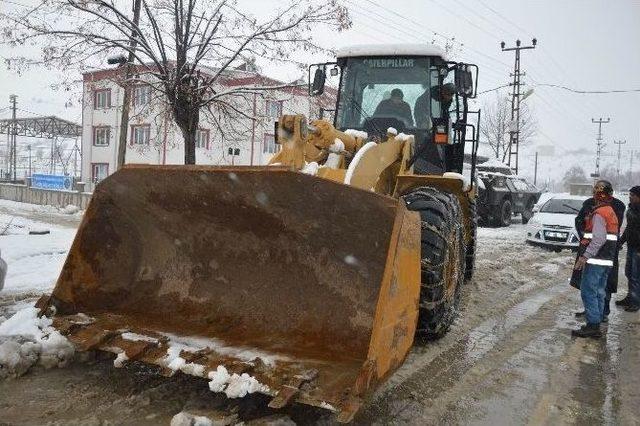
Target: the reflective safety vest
pixel 609 249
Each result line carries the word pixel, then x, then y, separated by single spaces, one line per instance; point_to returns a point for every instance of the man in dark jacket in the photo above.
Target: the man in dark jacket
pixel 395 107
pixel 422 108
pixel 612 281
pixel 631 236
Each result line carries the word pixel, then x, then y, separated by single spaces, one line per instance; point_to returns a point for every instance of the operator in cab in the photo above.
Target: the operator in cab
pixel 395 107
pixel 442 93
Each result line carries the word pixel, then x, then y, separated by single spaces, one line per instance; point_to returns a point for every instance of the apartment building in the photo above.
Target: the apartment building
pixel 153 137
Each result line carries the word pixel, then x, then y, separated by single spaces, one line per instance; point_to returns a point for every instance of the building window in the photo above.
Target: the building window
pixel 99 171
pixel 141 94
pixel 274 109
pixel 102 99
pixel 202 138
pixel 101 135
pixel 140 134
pixel 269 146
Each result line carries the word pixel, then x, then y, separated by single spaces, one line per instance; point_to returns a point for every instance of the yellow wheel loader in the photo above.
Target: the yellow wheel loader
pixel 307 279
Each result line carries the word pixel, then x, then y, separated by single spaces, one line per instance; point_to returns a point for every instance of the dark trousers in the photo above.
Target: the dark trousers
pixel 632 271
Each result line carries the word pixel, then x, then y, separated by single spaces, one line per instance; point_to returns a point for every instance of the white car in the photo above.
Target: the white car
pixel 553 225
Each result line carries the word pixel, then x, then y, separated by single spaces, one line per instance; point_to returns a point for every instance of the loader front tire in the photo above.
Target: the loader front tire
pixel 443 260
pixel 471 248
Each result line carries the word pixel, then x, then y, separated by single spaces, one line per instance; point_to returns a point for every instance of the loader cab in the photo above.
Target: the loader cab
pixel 411 88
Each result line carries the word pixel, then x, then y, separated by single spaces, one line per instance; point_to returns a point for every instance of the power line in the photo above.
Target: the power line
pixel 494 89
pixel 406 19
pixel 558 86
pixel 504 18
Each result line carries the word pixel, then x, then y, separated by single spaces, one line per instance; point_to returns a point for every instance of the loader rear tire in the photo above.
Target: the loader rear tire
pixel 443 261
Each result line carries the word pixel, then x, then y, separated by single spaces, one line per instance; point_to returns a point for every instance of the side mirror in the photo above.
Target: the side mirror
pixel 464 80
pixel 317 87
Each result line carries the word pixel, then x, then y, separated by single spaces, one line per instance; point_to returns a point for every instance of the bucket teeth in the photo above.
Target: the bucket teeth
pixel 290 390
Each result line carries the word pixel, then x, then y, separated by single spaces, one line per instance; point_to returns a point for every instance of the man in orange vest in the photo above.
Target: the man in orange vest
pixel 598 248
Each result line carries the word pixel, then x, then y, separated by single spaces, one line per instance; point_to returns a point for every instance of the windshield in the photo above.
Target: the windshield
pixel 559 205
pixel 395 88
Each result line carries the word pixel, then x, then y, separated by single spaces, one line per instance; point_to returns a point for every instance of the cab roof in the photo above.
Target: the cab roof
pixel 403 49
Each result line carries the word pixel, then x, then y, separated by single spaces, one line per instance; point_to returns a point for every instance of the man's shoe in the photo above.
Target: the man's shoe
pixel 589 330
pixel 632 308
pixel 623 302
pixel 581 314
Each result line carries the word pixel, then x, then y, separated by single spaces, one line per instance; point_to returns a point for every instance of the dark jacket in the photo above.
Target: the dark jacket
pixel 587 207
pixel 400 110
pixel 631 234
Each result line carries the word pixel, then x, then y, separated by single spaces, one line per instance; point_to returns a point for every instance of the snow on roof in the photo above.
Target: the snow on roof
pixel 495 163
pixel 403 49
pixel 569 197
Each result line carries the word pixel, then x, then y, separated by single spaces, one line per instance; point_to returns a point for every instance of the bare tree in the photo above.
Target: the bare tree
pixel 496 125
pixel 575 174
pixel 183 48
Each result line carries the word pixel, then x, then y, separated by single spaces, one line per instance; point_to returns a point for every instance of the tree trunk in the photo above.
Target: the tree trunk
pixel 189 136
pixel 188 122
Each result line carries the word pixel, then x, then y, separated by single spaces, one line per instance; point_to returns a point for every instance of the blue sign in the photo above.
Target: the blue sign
pixel 51 182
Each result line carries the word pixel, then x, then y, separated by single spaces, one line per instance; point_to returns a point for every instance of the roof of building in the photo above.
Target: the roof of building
pixel 400 49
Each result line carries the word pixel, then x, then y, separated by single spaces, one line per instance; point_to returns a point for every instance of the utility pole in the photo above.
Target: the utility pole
pixel 29 148
pixel 599 144
pixel 126 99
pixel 13 132
pixel 514 133
pixel 631 169
pixel 535 170
pixel 619 143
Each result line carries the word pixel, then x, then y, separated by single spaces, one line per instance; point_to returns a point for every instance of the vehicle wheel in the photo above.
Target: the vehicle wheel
pixel 527 214
pixel 504 218
pixel 443 259
pixel 471 248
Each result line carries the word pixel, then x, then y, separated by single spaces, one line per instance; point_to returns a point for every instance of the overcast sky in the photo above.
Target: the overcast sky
pixel 582 44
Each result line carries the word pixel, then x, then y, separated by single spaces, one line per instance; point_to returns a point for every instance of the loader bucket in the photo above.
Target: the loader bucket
pixel 307 285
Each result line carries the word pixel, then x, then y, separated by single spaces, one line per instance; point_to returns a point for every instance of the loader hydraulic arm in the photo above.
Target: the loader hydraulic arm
pixel 303 143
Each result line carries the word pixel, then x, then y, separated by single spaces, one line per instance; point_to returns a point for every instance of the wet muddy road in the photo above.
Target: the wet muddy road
pixel 508 359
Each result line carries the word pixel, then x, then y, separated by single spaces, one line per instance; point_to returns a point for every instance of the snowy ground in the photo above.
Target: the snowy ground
pixel 508 359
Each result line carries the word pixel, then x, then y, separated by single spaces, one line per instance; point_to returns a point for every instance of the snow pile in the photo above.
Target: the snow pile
pixel 135 337
pixel 494 163
pixel 37 208
pixel 70 209
pixel 120 360
pixel 175 362
pixel 26 339
pixel 466 182
pixel 403 137
pixel 34 261
pixel 337 146
pixel 194 344
pixel 187 419
pixel 392 131
pixel 234 385
pixel 357 133
pixel 310 168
